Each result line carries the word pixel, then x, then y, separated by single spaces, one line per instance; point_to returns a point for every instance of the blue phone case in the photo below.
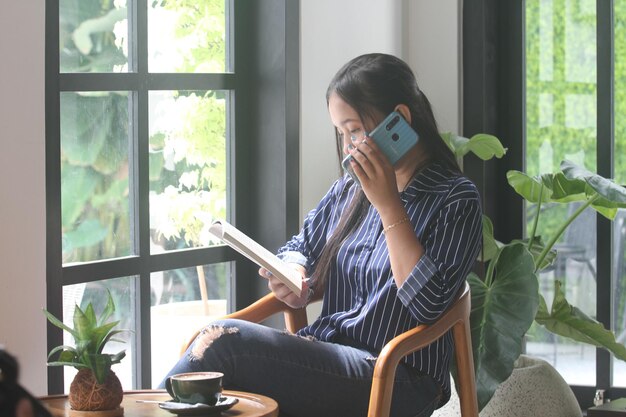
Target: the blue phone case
pixel 394 137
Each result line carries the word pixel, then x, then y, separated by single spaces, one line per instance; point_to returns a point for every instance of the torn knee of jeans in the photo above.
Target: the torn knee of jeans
pixel 307 337
pixel 206 338
pixel 371 358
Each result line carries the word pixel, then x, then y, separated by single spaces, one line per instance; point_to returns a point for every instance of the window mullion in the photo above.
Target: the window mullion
pixel 140 156
pixel 139 50
pixel 605 167
pixel 54 276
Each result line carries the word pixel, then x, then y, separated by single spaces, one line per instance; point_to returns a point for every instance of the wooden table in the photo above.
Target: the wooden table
pixel 249 405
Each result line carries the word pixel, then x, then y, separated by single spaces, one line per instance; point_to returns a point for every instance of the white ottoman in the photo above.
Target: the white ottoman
pixel 534 388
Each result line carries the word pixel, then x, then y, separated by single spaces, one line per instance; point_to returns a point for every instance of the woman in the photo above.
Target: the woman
pixel 388 253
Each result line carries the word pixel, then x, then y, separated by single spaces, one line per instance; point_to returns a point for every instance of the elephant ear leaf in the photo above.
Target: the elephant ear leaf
pixel 611 196
pixel 482 145
pixel 502 312
pixel 568 321
pixel 566 190
pixel 536 249
pixel 490 245
pixel 485 146
pixel 533 189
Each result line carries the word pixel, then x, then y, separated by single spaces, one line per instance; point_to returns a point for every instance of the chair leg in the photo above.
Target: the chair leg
pixel 380 396
pixel 465 370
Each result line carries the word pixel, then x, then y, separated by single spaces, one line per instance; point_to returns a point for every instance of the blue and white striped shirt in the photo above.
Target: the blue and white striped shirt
pixel 361 299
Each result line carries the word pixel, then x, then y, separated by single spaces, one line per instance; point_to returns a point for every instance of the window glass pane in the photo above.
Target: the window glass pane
pixel 93 36
pixel 188 169
pixel 619 39
pixel 184 300
pixel 619 226
pixel 187 36
pixel 94 176
pixel 561 124
pixel 123 292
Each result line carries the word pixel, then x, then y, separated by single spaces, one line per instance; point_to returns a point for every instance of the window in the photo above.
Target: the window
pixel 150 109
pixel 557 93
pixel 570 116
pixel 561 124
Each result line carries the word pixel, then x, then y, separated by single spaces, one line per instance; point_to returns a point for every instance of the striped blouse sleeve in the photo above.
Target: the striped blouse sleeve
pixel 306 247
pixel 452 242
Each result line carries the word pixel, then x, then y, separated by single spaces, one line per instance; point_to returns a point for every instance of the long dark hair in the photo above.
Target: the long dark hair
pixel 373 85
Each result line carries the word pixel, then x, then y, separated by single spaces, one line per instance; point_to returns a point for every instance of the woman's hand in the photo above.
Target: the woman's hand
pixel 282 292
pixel 376 174
pixel 378 179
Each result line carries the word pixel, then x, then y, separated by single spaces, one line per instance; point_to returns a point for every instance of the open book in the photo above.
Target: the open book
pixel 243 244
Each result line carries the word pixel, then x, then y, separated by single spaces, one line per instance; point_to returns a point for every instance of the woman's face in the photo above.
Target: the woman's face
pixel 347 121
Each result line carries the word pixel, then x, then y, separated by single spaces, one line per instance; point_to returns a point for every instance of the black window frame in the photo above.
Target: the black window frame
pixel 264 148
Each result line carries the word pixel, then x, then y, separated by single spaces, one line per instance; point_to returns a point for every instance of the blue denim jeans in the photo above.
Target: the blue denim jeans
pixel 306 377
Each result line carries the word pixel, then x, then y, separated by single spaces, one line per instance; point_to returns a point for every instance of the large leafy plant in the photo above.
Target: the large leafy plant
pixel 506 301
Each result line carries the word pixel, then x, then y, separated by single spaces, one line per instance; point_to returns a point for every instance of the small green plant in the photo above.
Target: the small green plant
pixel 95 387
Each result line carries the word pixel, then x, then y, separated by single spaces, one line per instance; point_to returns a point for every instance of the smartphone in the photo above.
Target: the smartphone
pixel 394 137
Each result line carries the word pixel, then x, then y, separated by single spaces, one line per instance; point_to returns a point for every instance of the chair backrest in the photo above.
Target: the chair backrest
pixel 461 331
pixel 456 317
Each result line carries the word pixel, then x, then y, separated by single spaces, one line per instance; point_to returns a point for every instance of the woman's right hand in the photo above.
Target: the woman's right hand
pixel 282 292
pixel 376 174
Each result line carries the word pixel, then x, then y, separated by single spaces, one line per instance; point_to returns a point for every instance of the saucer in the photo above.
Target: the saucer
pixel 199 409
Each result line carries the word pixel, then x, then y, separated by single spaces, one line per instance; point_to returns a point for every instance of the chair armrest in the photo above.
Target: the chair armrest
pixel 388 360
pixel 409 342
pixel 265 307
pixel 261 310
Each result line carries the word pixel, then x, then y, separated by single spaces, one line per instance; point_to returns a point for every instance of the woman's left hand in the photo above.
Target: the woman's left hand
pixel 282 292
pixel 376 174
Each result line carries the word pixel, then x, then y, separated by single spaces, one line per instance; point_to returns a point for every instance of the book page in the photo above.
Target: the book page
pixel 243 244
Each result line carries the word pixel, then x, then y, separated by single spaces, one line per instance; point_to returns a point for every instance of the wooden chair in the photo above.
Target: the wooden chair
pixel 455 318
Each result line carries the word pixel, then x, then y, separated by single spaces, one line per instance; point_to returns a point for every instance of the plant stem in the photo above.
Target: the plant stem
pixel 560 231
pixel 490 268
pixel 536 222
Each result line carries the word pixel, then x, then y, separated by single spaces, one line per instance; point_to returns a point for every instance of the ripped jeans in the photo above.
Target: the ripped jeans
pixel 306 377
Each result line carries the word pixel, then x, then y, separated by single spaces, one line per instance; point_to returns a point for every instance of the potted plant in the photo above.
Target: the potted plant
pixel 95 387
pixel 506 301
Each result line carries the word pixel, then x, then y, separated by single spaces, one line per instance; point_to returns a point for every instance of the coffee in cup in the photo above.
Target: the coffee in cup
pixel 195 387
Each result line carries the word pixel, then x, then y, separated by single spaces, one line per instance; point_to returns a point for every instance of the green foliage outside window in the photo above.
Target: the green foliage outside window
pixel 187 160
pixel 561 88
pixel 561 98
pixel 93 156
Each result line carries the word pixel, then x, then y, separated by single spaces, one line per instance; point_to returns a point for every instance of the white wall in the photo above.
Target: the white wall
pixel 433 50
pixel 22 191
pixel 424 32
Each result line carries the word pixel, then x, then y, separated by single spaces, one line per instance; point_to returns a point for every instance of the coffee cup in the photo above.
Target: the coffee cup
pixel 195 387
